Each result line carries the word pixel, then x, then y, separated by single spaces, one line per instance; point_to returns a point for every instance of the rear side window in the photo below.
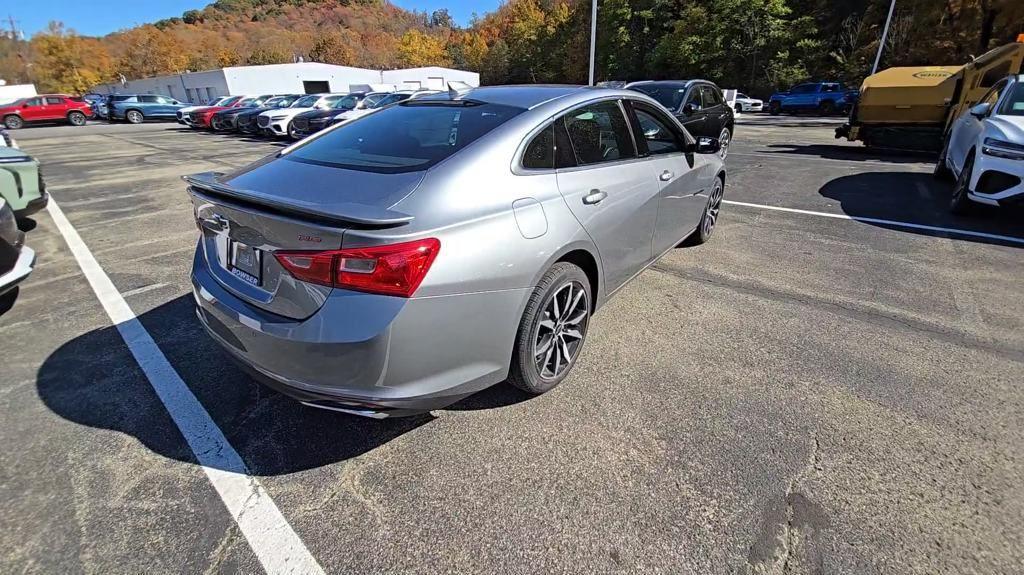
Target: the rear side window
pixel 54 100
pixel 599 133
pixel 408 137
pixel 148 99
pixel 540 154
pixel 669 96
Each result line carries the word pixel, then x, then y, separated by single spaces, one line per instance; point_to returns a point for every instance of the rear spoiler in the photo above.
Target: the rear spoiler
pixel 342 213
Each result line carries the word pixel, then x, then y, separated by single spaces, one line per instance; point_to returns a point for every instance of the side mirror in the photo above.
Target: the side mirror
pixel 689 108
pixel 651 132
pixel 981 111
pixel 707 146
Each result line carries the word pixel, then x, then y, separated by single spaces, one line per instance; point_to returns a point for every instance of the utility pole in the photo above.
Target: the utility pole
pixel 885 34
pixel 593 37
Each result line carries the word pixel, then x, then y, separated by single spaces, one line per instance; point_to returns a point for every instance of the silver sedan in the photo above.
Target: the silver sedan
pixel 402 261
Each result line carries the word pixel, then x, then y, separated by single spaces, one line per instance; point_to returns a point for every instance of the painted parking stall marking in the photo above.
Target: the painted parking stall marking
pixel 276 545
pixel 894 223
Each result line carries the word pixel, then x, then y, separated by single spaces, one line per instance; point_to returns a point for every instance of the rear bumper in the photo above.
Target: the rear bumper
pixel 22 268
pixel 33 206
pixel 376 356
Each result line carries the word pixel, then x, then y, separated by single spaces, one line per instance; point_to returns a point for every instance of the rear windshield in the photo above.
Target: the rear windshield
pixel 408 137
pixel 1014 105
pixel 669 96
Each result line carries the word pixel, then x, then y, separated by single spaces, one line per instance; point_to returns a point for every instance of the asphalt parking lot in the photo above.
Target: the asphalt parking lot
pixel 818 390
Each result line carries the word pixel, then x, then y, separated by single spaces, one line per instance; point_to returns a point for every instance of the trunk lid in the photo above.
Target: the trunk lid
pixel 278 204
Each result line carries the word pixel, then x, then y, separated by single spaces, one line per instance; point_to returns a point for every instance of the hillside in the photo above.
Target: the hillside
pixel 753 44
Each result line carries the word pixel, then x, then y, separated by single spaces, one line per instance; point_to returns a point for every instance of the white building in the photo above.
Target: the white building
pixel 12 92
pixel 298 78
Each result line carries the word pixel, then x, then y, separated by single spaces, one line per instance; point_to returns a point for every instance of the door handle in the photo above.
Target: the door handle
pixel 594 197
pixel 666 176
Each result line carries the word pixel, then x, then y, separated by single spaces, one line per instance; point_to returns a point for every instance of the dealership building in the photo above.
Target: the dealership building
pixel 297 78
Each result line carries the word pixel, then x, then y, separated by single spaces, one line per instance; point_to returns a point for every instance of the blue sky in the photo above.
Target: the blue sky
pixel 99 17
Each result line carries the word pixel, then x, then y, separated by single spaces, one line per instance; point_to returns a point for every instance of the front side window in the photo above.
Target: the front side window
pixel 346 103
pixel 409 137
pixel 657 133
pixel 34 102
pixel 803 89
pixel 710 96
pixel 54 100
pixel 149 99
pixel 306 102
pixel 1014 104
pixel 598 133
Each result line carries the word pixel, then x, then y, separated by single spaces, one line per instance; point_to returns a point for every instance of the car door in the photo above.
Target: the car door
pixel 33 110
pixel 715 110
pixel 611 191
pixel 55 108
pixel 968 127
pixel 692 116
pixel 679 174
pixel 799 97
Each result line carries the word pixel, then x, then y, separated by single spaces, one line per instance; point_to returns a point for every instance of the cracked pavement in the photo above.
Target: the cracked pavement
pixel 801 395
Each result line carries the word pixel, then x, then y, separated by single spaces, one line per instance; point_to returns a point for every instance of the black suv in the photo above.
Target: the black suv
pixel 698 104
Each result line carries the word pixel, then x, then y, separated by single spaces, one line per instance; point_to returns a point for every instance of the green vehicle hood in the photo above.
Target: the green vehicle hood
pixel 19 178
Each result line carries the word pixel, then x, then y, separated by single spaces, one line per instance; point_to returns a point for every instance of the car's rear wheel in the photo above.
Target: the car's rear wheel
pixel 552 330
pixel 13 122
pixel 827 108
pixel 134 117
pixel 709 219
pixel 724 139
pixel 76 118
pixel 775 108
pixel 739 109
pixel 960 204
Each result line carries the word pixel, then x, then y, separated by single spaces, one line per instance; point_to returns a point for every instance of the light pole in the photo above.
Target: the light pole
pixel 593 37
pixel 885 34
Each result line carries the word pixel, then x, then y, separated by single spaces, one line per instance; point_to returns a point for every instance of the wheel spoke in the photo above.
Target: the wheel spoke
pixel 547 324
pixel 554 302
pixel 572 306
pixel 565 349
pixel 573 333
pixel 549 340
pixel 547 360
pixel 576 319
pixel 558 359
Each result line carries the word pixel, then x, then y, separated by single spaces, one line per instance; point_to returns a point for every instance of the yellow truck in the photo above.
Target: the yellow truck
pixel 912 108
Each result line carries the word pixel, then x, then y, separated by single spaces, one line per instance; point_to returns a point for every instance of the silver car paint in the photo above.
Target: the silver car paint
pixel 455 336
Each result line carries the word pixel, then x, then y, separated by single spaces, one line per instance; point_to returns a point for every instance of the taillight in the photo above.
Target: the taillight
pixel 395 269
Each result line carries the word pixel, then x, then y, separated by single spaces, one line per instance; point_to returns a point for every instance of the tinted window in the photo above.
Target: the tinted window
pixel 347 103
pixel 1014 104
pixel 54 100
pixel 306 102
pixel 598 133
pixel 389 99
pixel 540 153
pixel 34 102
pixel 803 89
pixel 740 96
pixel 710 96
pixel 149 99
pixel 669 96
pixel 694 98
pixel 657 132
pixel 994 74
pixel 408 137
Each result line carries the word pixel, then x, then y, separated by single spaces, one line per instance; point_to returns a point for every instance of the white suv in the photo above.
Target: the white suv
pixel 279 122
pixel 985 149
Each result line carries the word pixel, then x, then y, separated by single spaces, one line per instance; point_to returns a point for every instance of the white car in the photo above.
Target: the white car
pixel 744 103
pixel 985 149
pixel 375 103
pixel 279 122
pixel 182 113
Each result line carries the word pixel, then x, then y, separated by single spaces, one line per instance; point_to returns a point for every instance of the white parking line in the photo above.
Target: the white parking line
pixel 278 548
pixel 968 233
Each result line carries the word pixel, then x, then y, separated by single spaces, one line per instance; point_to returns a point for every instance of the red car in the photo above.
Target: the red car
pixel 200 117
pixel 45 108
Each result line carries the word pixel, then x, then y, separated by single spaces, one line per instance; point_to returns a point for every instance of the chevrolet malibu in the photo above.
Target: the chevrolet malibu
pixel 402 261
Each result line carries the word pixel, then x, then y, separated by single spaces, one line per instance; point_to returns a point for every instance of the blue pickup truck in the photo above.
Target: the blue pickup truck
pixel 825 98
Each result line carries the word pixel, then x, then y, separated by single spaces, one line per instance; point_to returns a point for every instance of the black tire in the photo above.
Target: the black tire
pixel 959 203
pixel 709 220
pixel 739 109
pixel 13 122
pixel 827 108
pixel 563 281
pixel 942 171
pixel 774 108
pixel 134 117
pixel 291 132
pixel 76 118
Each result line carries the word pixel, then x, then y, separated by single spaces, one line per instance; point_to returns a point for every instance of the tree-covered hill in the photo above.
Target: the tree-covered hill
pixel 756 45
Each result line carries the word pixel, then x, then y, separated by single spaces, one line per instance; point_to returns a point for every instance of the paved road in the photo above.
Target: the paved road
pixel 803 394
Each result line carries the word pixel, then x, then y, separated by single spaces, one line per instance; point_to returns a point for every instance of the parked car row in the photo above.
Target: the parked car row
pixel 294 116
pixel 22 193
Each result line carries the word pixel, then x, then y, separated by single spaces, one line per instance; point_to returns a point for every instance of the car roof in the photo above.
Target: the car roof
pixel 668 83
pixel 523 96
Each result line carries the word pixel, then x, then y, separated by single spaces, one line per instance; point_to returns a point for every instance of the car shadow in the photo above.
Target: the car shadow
pixel 8 298
pixel 919 199
pixel 93 380
pixel 852 153
pixel 27 224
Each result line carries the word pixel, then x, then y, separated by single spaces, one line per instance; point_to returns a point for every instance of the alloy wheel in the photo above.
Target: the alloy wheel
pixel 13 122
pixel 134 117
pixel 714 206
pixel 561 330
pixel 725 138
pixel 77 119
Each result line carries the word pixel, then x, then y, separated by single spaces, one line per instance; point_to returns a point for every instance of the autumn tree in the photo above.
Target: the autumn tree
pixel 151 52
pixel 334 47
pixel 417 49
pixel 68 63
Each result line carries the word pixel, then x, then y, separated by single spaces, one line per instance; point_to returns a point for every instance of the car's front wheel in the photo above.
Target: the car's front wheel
pixel 724 139
pixel 827 108
pixel 775 108
pixel 552 329
pixel 77 118
pixel 960 204
pixel 134 117
pixel 13 122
